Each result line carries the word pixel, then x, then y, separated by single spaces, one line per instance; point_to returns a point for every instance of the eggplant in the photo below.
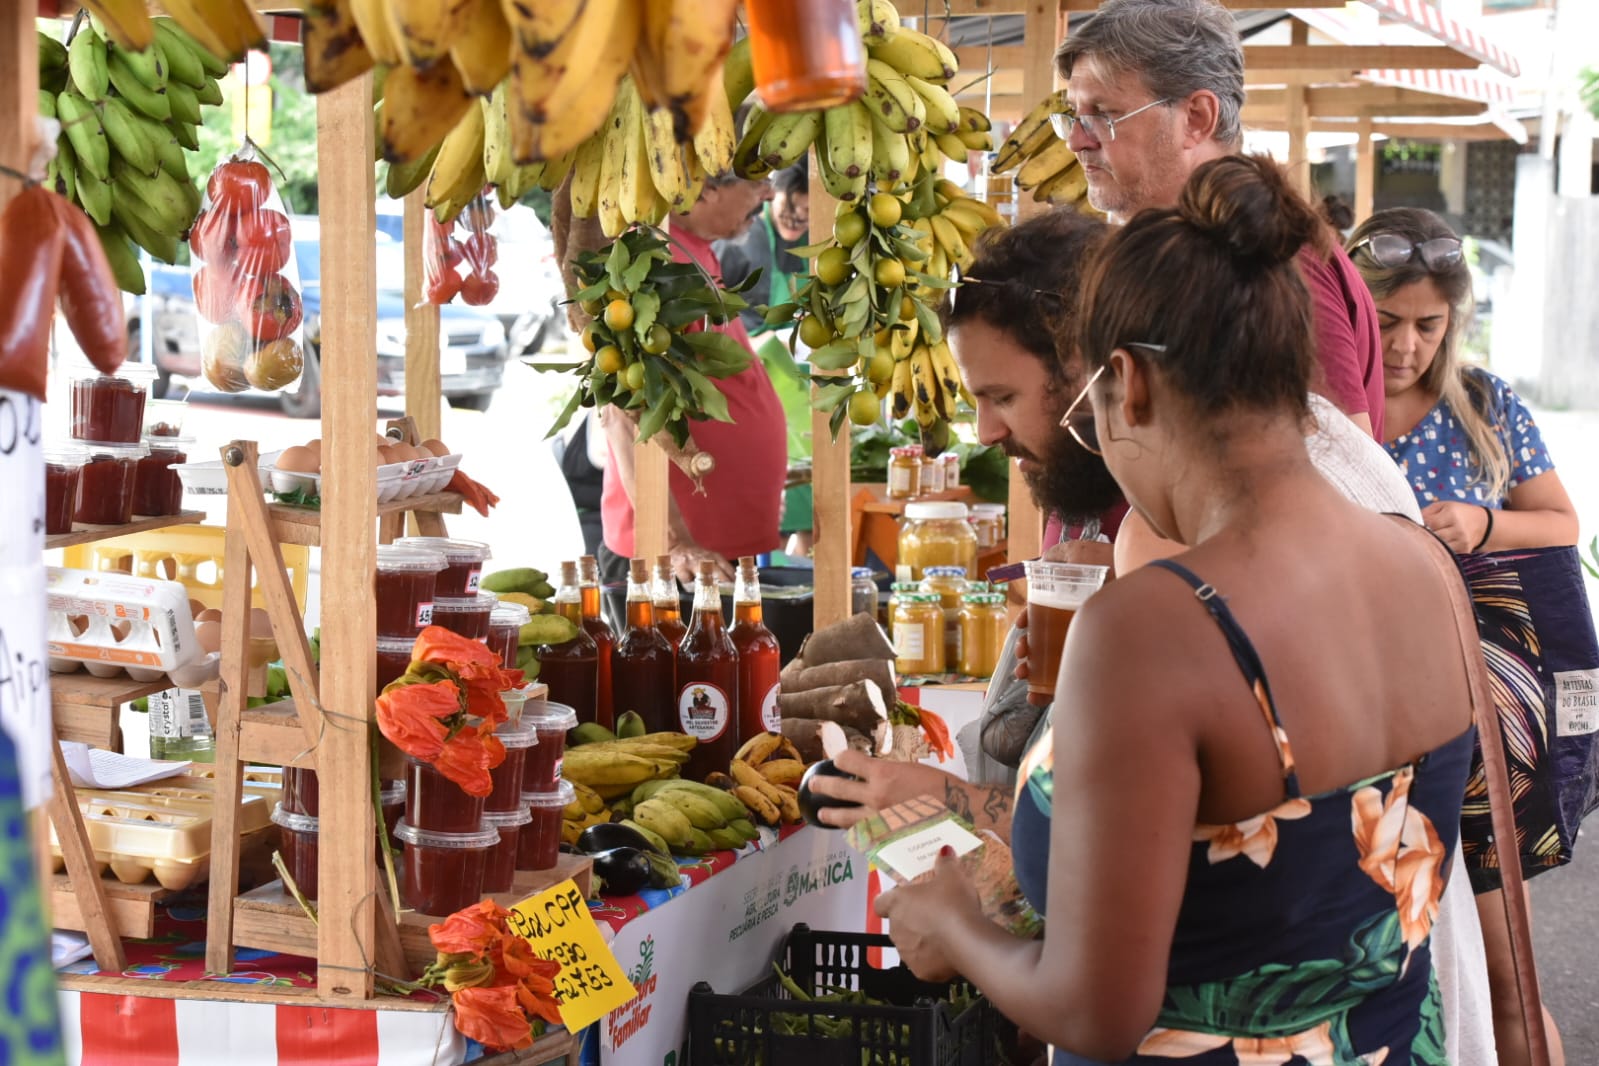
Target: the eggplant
pixel 622 871
pixel 608 835
pixel 810 802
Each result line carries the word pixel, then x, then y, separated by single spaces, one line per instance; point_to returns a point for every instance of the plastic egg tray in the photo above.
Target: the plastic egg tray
pixel 395 481
pixel 112 622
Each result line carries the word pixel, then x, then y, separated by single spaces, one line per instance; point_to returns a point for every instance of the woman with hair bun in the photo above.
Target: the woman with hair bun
pixel 1264 740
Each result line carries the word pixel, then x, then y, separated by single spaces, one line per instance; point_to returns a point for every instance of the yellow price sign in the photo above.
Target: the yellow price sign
pixel 558 924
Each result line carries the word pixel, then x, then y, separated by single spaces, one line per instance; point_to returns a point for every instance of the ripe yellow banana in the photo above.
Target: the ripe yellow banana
pixel 127 22
pixel 604 38
pixel 482 48
pixel 891 154
pixel 901 399
pixel 225 28
pixel 334 51
pixel 420 107
pixel 616 133
pixel 788 136
pixel 891 98
pixel 425 29
pixel 1067 187
pixel 913 52
pixel 638 200
pixel 372 19
pixel 946 370
pixel 668 170
pixel 849 139
pixel 924 386
pixel 457 175
pixel 697 38
pixel 1033 127
pixel 974 120
pixel 717 139
pixel 878 20
pixel 498 167
pixel 943 114
pixel 587 163
pixel 1046 164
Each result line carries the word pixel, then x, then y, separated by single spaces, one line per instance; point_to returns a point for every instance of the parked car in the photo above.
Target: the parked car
pixel 531 289
pixel 472 348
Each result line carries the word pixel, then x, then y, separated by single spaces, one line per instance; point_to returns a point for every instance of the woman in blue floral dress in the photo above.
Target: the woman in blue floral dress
pixel 1241 823
pixel 1479 468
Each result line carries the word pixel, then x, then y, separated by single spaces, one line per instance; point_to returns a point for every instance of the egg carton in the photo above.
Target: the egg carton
pixel 211 478
pixel 395 481
pixel 161 831
pixel 110 622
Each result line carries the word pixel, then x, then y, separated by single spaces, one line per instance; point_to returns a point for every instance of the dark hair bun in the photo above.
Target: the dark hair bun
pixel 1244 203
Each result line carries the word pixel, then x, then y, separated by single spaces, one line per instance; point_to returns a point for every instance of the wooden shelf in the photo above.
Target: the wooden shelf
pixel 85 707
pixel 301 525
pixel 132 908
pixel 83 533
pixel 268 918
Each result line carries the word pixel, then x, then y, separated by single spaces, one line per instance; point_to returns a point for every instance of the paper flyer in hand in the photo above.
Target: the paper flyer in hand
pixel 903 841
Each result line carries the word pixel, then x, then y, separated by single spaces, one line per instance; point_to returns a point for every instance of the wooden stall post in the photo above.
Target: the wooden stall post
pixel 832 545
pixel 422 393
pixel 1299 122
pixel 651 500
pixel 19 90
pixel 346 880
pixel 1365 171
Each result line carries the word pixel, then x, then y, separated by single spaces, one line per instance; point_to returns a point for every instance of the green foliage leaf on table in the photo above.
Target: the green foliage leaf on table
pixel 1593 554
pixel 984 468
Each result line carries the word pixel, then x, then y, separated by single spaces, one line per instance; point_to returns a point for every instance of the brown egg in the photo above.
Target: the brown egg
pixel 315 445
pixel 381 441
pixel 401 452
pixel 299 460
pixel 195 608
pixel 79 623
pixel 120 628
pixel 208 635
pixel 210 614
pixel 436 446
pixel 260 622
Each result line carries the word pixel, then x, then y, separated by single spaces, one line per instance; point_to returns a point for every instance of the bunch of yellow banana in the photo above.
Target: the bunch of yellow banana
pixel 587 809
pixel 1042 161
pixel 614 768
pixel 225 28
pixel 949 234
pixel 691 818
pixel 128 119
pixel 763 777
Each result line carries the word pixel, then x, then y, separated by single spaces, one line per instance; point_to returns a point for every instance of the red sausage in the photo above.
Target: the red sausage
pixel 30 263
pixel 90 299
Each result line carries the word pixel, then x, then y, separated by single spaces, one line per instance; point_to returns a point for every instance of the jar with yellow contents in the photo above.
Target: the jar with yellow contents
pixel 897 592
pixel 935 534
pixel 904 472
pixel 984 624
pixel 919 634
pixel 949 583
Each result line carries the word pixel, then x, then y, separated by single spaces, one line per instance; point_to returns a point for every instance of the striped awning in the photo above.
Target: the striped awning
pixel 1422 15
pixel 1460 84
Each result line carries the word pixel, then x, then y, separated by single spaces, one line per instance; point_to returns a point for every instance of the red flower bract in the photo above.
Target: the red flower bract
pixel 466 759
pixel 435 644
pixel 493 1017
pixel 473 930
pixel 413 716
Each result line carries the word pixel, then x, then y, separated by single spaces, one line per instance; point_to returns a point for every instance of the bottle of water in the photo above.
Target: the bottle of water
pixel 179 728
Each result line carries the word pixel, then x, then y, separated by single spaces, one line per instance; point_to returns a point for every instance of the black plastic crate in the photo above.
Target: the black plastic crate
pixel 921 1028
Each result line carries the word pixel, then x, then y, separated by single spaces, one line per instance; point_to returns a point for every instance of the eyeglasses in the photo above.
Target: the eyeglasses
pixel 1081 425
pixel 1390 250
pixel 1100 128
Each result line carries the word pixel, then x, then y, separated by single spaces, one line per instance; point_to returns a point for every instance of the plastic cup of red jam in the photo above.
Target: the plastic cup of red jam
pixel 105 484
pixel 435 804
pixel 518 739
pixel 394 659
pixel 465 563
pixel 391 807
pixel 110 408
pixel 500 869
pixel 542 771
pixel 404 585
pixel 156 487
pixel 505 629
pixel 300 793
pixel 299 844
pixel 63 465
pixel 441 873
pixel 539 846
pixel 164 418
pixel 469 616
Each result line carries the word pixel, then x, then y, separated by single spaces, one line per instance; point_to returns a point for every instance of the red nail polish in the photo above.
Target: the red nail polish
pixel 946 852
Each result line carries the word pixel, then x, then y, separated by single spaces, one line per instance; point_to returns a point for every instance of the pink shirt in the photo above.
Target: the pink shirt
pixel 1348 342
pixel 738 510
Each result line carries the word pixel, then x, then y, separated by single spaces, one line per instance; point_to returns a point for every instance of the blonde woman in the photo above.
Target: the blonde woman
pixel 1473 456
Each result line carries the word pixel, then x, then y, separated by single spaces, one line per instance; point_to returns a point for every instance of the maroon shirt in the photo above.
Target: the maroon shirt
pixel 1348 342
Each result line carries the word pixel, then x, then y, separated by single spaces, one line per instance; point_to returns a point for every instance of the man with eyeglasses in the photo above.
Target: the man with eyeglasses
pixel 1156 89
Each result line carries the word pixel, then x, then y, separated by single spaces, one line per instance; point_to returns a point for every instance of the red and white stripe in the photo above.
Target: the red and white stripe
pixel 1461 35
pixel 1460 84
pixel 115 1030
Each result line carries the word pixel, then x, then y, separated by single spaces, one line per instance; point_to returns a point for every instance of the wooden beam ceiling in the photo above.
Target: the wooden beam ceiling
pixel 1359 57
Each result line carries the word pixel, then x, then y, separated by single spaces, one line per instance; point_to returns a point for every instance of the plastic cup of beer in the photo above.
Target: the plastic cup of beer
pixel 1055 593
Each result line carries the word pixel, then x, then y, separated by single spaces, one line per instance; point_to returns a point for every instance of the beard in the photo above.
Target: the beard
pixel 1072 481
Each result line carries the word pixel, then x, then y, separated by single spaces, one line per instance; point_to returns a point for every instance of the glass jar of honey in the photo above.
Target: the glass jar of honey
pixel 983 626
pixel 935 534
pixel 904 472
pixel 919 634
pixel 948 583
pixel 932 475
pixel 952 470
pixel 988 522
pixel 862 591
pixel 896 594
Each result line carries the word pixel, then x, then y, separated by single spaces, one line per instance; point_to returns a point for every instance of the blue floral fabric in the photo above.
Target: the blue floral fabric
pixel 1436 458
pixel 30 1032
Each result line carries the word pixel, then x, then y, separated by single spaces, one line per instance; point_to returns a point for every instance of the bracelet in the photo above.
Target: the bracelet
pixel 1487 532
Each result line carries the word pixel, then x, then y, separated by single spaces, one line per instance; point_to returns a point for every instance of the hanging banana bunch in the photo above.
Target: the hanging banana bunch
pixel 1042 161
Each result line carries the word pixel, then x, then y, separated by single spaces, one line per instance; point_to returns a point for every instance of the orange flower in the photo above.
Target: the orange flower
pixel 466 759
pixel 534 977
pixel 1401 851
pixel 1254 838
pixel 413 716
pixel 435 644
pixel 470 931
pixel 493 1017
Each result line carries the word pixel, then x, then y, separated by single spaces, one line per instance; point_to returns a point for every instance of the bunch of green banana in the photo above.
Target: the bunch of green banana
pixel 128 120
pixel 1042 161
pixel 615 768
pixel 629 726
pixel 691 818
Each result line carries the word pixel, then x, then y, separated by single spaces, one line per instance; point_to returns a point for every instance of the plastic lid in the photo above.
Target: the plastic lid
pixel 167 443
pixel 517 735
pixel 514 698
pixel 456 551
pixel 393 645
pixel 949 457
pixel 506 614
pixel 988 508
pixel 923 511
pixel 483 601
pixel 300 823
pixel 498 820
pixel 393 558
pixel 393 792
pixel 979 586
pixel 483 838
pixel 138 375
pixel 906 586
pixel 563 795
pixel 944 571
pixel 983 597
pixel 97 448
pixel 64 453
pixel 921 597
pixel 546 716
pixel 902 452
pixel 860 573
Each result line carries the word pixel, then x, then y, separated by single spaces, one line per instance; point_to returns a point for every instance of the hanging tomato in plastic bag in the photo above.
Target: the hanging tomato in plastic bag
pixel 458 257
pixel 246 280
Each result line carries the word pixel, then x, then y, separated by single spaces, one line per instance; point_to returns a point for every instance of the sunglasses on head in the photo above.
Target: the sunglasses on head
pixel 961 280
pixel 1390 250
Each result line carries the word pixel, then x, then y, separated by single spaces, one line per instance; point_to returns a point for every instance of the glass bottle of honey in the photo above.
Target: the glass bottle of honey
pixel 707 681
pixel 807 54
pixel 668 608
pixel 571 670
pixel 604 638
pixel 642 666
pixel 759 657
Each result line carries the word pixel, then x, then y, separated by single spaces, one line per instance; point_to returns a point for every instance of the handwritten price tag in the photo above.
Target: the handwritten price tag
pixel 557 923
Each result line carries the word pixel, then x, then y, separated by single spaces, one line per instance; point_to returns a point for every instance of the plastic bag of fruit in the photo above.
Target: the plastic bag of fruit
pixel 458 257
pixel 246 280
